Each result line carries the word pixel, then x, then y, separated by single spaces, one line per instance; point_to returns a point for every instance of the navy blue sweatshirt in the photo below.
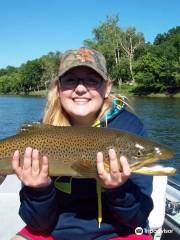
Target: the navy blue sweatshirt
pixel 74 216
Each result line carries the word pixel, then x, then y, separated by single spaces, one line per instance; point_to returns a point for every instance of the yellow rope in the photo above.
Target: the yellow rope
pixel 99 195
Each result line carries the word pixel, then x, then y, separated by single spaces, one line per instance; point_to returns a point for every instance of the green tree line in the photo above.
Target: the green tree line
pixel 33 75
pixel 148 67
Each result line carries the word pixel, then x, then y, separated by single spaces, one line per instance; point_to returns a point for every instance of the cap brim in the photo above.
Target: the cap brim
pixel 83 65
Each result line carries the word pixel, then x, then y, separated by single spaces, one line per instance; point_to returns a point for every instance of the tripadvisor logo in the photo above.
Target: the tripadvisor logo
pixel 140 231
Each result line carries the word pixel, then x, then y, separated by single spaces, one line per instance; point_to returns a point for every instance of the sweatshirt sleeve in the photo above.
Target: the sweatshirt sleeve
pixel 131 203
pixel 39 208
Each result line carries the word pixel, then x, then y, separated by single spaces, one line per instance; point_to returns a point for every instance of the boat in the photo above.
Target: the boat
pixel 167 227
pixel 172 211
pixel 170 229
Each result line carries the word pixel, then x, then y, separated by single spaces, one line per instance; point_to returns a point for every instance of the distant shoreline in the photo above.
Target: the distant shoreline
pixel 43 93
pixel 124 89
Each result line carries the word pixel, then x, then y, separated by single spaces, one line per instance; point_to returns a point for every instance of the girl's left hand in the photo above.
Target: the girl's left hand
pixel 114 177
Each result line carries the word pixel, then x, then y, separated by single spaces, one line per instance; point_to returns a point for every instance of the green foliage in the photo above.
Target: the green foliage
pixel 143 67
pixel 147 68
pixel 9 80
pixel 31 74
pixel 105 40
pixel 10 83
pixel 171 35
pixel 34 75
pixel 156 73
pixel 50 65
pixel 9 70
pixel 120 71
pixel 154 67
pixel 117 44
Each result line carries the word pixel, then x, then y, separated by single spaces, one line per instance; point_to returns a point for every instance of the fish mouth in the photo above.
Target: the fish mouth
pixel 152 157
pixel 143 163
pixel 156 170
pixel 149 166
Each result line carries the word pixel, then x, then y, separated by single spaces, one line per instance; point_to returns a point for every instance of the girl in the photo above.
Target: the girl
pixel 67 208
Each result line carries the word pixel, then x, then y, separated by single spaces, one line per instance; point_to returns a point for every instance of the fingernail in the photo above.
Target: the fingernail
pixel 16 152
pixel 35 151
pixel 29 149
pixel 111 150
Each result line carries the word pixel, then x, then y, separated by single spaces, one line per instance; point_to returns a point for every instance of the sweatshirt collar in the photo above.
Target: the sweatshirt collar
pixel 118 105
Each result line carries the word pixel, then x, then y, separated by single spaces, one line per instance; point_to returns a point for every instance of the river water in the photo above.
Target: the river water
pixel 161 117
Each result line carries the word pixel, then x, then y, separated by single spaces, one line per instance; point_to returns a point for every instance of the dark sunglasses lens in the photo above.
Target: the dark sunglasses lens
pixel 68 83
pixel 93 83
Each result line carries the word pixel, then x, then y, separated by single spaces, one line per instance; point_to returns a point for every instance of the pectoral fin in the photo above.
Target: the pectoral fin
pixel 85 169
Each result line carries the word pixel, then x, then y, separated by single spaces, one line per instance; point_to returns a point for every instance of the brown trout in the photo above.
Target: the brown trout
pixel 72 150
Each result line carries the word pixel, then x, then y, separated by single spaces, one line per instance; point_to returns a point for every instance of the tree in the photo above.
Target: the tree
pixel 120 71
pixel 105 40
pixel 156 73
pixel 116 44
pixel 50 65
pixel 165 37
pixel 8 70
pixel 31 74
pixel 129 41
pixel 10 83
pixel 9 80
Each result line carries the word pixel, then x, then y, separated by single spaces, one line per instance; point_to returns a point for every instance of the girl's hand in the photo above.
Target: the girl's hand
pixel 114 178
pixel 30 173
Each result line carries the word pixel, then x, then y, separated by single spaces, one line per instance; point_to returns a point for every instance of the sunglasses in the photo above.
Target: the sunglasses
pixel 89 83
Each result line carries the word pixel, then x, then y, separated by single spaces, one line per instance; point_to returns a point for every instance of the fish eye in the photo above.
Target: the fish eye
pixel 139 153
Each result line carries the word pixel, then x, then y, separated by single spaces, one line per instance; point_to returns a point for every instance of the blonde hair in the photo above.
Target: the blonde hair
pixel 55 115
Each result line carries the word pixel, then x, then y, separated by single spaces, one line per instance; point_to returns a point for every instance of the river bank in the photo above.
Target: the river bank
pixel 124 89
pixel 134 90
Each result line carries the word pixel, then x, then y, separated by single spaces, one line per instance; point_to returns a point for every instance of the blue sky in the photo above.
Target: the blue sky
pixel 32 28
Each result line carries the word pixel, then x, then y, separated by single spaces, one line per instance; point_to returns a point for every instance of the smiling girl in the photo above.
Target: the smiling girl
pixel 65 208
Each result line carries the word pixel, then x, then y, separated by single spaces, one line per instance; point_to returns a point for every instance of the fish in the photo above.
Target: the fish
pixel 72 151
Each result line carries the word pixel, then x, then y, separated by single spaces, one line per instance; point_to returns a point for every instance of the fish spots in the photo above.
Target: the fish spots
pixel 65 146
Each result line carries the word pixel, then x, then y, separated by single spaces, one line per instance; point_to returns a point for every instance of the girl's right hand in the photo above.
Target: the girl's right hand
pixel 31 174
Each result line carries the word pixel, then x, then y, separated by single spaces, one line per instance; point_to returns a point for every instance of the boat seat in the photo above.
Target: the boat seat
pixel 157 215
pixel 10 220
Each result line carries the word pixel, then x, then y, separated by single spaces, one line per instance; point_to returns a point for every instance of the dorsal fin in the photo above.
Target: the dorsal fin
pixel 29 127
pixel 26 127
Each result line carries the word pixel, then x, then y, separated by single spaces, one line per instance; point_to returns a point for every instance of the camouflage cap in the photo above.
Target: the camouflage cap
pixel 83 57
